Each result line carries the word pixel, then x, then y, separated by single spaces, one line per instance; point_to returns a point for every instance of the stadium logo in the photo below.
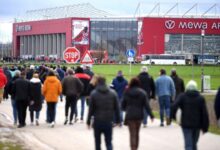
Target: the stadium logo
pixel 170 24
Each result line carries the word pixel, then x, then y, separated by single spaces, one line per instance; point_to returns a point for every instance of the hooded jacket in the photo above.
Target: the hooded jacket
pixel 35 94
pixel 194 111
pixel 103 105
pixel 52 88
pixel 119 84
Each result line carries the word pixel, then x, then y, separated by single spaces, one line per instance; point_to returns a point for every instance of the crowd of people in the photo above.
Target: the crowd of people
pixel 30 86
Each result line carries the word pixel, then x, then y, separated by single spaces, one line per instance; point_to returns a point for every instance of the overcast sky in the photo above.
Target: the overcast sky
pixel 10 9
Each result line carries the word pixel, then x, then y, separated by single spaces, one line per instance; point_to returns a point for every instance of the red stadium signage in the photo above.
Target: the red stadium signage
pixel 71 55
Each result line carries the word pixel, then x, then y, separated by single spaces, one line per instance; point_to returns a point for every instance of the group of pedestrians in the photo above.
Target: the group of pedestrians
pixel 30 86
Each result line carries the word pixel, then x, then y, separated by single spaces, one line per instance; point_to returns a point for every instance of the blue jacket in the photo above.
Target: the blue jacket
pixel 165 86
pixel 119 84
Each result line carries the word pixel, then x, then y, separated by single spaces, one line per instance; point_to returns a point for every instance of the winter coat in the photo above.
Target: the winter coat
pixel 147 84
pixel 217 105
pixel 21 89
pixel 9 78
pixel 52 88
pixel 103 105
pixel 72 86
pixel 85 79
pixel 119 84
pixel 61 73
pixel 193 110
pixel 179 84
pixel 10 87
pixel 3 79
pixel 134 102
pixel 35 94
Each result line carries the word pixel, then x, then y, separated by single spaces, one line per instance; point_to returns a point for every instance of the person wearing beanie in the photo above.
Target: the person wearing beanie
pixel 194 114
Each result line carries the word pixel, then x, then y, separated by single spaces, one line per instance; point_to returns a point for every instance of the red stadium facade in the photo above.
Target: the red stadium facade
pixel 154 36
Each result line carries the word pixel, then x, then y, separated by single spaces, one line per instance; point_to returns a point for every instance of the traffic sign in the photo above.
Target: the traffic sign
pixel 87 58
pixel 71 55
pixel 130 53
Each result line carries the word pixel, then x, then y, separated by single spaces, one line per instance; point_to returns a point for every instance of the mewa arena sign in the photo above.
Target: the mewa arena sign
pixel 171 24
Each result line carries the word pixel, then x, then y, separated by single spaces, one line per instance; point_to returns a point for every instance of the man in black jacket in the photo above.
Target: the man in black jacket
pixel 178 82
pixel 147 84
pixel 21 91
pixel 72 87
pixel 103 107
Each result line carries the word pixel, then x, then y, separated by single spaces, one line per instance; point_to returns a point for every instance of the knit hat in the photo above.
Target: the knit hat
pixel 191 86
pixel 144 69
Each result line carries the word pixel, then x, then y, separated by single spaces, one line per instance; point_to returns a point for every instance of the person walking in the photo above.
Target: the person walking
pixel 165 90
pixel 21 90
pixel 3 82
pixel 35 98
pixel 178 82
pixel 135 101
pixel 147 84
pixel 103 106
pixel 52 88
pixel 217 107
pixel 85 79
pixel 72 87
pixel 119 83
pixel 9 78
pixel 194 115
pixel 11 92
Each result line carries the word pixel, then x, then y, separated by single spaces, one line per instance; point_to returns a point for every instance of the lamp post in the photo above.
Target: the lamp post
pixel 202 63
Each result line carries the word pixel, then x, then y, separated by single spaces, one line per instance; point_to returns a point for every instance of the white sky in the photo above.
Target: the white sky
pixel 11 9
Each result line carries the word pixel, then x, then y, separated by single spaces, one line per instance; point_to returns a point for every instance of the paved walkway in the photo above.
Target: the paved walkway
pixel 78 137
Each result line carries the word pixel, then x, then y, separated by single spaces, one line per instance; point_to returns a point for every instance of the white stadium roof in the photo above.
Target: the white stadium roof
pixel 143 9
pixel 85 10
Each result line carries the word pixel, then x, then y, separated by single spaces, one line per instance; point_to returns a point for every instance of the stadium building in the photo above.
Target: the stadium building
pixel 47 32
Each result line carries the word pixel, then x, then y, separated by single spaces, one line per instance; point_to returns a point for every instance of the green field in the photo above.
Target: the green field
pixel 185 72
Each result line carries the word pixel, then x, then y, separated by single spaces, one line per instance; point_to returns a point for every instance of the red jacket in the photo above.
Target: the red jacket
pixel 3 79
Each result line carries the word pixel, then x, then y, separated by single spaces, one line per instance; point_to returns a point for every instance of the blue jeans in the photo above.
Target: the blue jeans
pixel 164 103
pixel 105 128
pixel 82 98
pixel 51 111
pixel 145 117
pixel 14 110
pixel 191 137
pixel 47 114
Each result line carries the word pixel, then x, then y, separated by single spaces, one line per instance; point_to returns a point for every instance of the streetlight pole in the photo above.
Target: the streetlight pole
pixel 202 63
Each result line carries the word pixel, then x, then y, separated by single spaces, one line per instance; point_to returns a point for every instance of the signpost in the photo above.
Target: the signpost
pixel 87 58
pixel 130 53
pixel 71 55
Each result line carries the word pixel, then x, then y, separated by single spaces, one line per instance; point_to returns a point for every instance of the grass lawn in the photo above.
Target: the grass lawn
pixel 9 146
pixel 185 72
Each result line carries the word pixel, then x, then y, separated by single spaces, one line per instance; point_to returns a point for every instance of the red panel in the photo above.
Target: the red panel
pixel 154 30
pixel 46 27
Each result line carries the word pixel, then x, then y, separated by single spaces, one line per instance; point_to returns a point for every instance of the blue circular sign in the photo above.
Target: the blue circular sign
pixel 130 53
